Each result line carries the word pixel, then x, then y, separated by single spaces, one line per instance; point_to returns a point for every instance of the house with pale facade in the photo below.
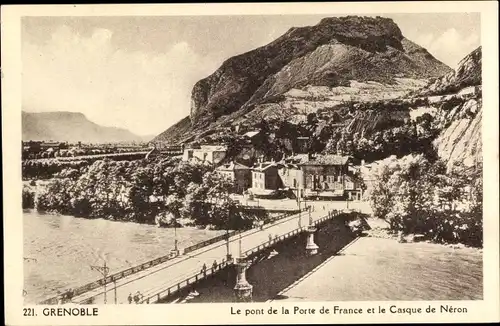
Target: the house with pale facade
pixel 265 179
pixel 239 174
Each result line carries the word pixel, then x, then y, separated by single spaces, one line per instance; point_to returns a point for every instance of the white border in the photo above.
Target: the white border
pixel 479 311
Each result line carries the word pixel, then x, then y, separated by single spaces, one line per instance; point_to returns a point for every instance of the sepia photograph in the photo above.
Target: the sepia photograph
pixel 264 158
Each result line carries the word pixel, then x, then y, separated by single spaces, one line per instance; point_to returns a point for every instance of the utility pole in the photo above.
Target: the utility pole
pixel 104 272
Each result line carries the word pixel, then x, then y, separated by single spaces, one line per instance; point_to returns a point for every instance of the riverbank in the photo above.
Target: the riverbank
pixel 373 268
pixel 379 228
pixel 355 269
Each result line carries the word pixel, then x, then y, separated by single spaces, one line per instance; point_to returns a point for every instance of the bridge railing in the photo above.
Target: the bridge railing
pixel 190 280
pixel 211 241
pixel 289 234
pixel 230 234
pixel 66 296
pixel 198 276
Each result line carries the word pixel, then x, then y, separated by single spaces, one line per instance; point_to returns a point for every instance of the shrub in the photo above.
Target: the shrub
pixel 28 198
pixel 417 196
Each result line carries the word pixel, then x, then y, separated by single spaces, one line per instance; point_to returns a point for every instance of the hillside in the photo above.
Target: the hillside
pixel 468 73
pixel 460 139
pixel 335 53
pixel 331 94
pixel 71 127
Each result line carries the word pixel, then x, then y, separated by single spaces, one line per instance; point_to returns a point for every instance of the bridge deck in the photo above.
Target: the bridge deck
pixel 152 281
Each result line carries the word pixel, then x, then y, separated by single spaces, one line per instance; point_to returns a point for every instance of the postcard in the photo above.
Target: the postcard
pixel 250 163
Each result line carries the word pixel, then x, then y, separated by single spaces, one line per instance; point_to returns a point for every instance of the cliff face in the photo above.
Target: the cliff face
pixel 467 74
pixel 330 53
pixel 460 139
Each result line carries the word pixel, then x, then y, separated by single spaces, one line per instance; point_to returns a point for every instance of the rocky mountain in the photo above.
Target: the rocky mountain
pixel 468 73
pixel 460 139
pixel 71 127
pixel 350 53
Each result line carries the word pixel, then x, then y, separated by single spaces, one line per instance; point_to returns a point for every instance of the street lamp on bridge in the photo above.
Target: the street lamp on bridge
pixel 104 270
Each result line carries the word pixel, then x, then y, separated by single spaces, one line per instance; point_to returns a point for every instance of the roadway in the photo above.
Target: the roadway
pixel 155 279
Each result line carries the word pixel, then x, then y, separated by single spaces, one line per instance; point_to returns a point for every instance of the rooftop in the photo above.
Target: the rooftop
pixel 211 148
pixel 250 134
pixel 232 166
pixel 328 159
pixel 260 167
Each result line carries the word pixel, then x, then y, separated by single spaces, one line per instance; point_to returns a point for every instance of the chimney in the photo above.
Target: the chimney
pixel 362 162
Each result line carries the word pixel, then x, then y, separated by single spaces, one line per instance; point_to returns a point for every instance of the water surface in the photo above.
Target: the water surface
pixel 59 250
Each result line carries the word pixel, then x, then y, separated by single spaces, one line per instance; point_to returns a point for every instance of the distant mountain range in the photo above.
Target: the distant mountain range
pixel 72 127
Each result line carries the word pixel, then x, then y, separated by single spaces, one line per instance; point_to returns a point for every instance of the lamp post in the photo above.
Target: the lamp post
pixel 300 210
pixel 175 236
pixel 104 270
pixel 228 254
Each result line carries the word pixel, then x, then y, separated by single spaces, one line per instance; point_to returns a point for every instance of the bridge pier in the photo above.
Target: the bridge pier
pixel 242 289
pixel 311 247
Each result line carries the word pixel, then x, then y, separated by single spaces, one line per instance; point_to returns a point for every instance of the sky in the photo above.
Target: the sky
pixel 138 72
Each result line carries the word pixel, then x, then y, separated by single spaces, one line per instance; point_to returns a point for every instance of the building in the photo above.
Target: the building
pixel 239 174
pixel 265 179
pixel 324 176
pixel 290 175
pixel 366 171
pixel 353 187
pixel 51 144
pixel 329 176
pixel 213 154
pixel 302 144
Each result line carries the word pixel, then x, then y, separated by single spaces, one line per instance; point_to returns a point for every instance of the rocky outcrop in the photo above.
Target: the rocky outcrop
pixel 179 132
pixel 467 74
pixel 330 53
pixel 460 139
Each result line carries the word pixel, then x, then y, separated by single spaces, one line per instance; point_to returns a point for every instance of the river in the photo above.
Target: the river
pixel 59 249
pixel 367 269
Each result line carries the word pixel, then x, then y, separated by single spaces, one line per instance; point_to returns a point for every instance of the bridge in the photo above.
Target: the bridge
pixel 170 274
pixel 115 156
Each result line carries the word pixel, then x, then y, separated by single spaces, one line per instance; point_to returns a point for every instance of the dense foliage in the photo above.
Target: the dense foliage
pixel 28 200
pixel 161 191
pixel 417 196
pixel 398 139
pixel 45 169
pixel 365 130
